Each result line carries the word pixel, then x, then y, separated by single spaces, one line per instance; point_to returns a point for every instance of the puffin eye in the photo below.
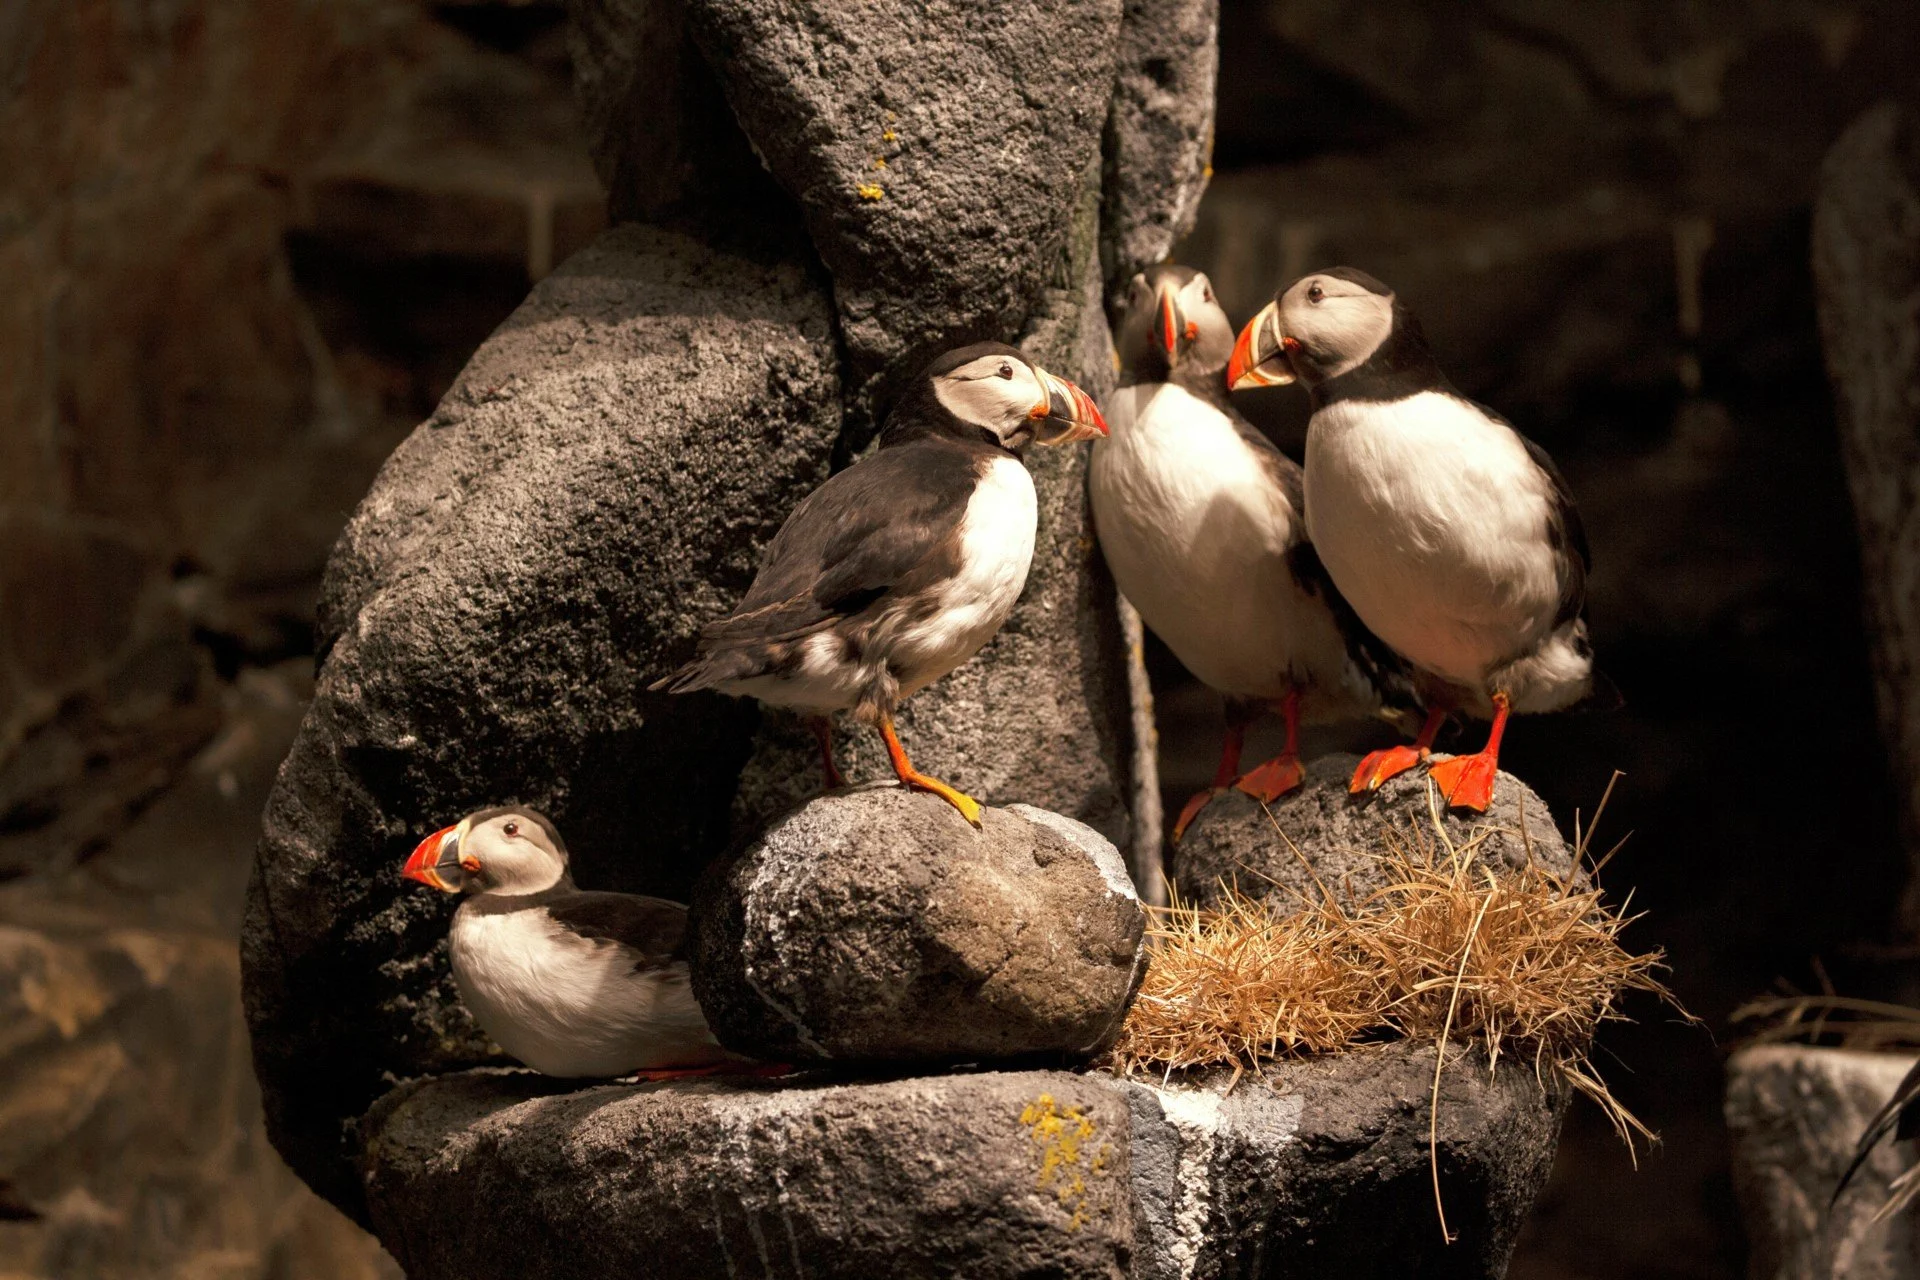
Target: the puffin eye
pixel 1206 293
pixel 512 828
pixel 1006 370
pixel 1315 293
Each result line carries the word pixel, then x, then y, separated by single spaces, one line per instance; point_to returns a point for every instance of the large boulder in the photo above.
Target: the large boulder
pixel 877 926
pixel 596 484
pixel 938 153
pixel 1022 1174
pixel 1320 835
pixel 1795 1112
pixel 1324 1167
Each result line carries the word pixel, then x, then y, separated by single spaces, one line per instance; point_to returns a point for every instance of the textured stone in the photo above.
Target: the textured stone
pixel 1795 1112
pixel 954 1177
pixel 591 490
pixel 878 926
pixel 1322 1168
pixel 939 153
pixel 1159 135
pixel 1328 836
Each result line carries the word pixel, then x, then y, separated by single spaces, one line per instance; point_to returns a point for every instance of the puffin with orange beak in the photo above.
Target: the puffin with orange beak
pixel 1454 537
pixel 1200 518
pixel 573 984
pixel 898 569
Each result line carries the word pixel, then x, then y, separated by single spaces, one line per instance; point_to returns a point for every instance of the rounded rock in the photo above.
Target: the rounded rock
pixel 876 925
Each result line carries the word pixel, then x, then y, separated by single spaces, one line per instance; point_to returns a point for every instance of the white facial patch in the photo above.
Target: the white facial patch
pixel 978 394
pixel 1344 328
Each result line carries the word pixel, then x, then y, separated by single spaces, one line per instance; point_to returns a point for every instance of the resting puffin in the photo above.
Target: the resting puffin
pixel 898 569
pixel 1202 522
pixel 571 983
pixel 1453 536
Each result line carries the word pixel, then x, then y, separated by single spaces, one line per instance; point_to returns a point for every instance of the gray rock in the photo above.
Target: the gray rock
pixel 876 925
pixel 1159 135
pixel 595 486
pixel 1322 1168
pixel 500 1175
pixel 1795 1112
pixel 938 154
pixel 663 140
pixel 1321 833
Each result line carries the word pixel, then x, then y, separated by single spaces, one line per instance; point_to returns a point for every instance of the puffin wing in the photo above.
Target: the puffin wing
pixel 654 929
pixel 1573 558
pixel 848 543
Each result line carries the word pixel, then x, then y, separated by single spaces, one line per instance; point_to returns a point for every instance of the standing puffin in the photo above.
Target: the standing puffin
pixel 1202 522
pixel 1453 536
pixel 573 984
pixel 898 569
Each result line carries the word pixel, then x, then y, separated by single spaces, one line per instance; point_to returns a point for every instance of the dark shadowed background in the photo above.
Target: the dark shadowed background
pixel 245 247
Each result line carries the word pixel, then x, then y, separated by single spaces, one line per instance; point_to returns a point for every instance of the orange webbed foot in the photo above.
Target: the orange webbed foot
pixel 1467 781
pixel 654 1075
pixel 1191 810
pixel 1376 767
pixel 1268 782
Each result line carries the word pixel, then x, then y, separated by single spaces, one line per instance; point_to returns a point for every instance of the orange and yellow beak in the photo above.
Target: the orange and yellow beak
pixel 1169 325
pixel 436 861
pixel 1260 356
pixel 1067 414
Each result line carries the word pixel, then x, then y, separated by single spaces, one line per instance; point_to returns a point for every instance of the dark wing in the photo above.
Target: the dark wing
pixel 1568 536
pixel 653 928
pixel 1390 674
pixel 845 546
pixel 1902 1113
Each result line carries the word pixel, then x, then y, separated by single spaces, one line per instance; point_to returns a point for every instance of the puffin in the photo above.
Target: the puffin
pixel 572 983
pixel 1901 1118
pixel 899 568
pixel 1202 523
pixel 1455 538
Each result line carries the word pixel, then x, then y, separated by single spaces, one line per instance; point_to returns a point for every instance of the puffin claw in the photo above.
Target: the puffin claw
pixel 1191 810
pixel 969 807
pixel 1377 767
pixel 1467 781
pixel 1268 782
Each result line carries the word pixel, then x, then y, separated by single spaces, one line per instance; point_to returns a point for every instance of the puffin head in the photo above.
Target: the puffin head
pixel 1172 329
pixel 508 850
pixel 1318 327
pixel 990 388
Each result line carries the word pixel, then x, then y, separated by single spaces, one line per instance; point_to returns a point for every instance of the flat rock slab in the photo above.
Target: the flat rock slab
pixel 1320 834
pixel 1320 1169
pixel 997 1175
pixel 1795 1112
pixel 876 925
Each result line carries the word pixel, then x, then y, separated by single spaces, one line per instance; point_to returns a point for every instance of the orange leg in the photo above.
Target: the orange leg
pixel 1268 782
pixel 823 734
pixel 1467 781
pixel 757 1070
pixel 1230 744
pixel 1378 766
pixel 911 777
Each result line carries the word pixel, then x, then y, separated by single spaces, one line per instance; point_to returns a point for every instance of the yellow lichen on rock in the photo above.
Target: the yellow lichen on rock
pixel 1062 1134
pixel 870 191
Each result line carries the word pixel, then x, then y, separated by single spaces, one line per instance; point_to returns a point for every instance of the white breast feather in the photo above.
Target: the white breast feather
pixel 1432 520
pixel 1197 535
pixel 569 1006
pixel 996 549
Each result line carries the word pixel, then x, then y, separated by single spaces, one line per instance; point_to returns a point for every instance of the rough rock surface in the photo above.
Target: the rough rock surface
pixel 1795 1112
pixel 1159 135
pixel 594 486
pixel 1322 1168
pixel 876 925
pixel 1020 1174
pixel 938 153
pixel 1343 837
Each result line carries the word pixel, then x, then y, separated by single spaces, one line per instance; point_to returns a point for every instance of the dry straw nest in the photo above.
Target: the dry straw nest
pixel 1521 962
